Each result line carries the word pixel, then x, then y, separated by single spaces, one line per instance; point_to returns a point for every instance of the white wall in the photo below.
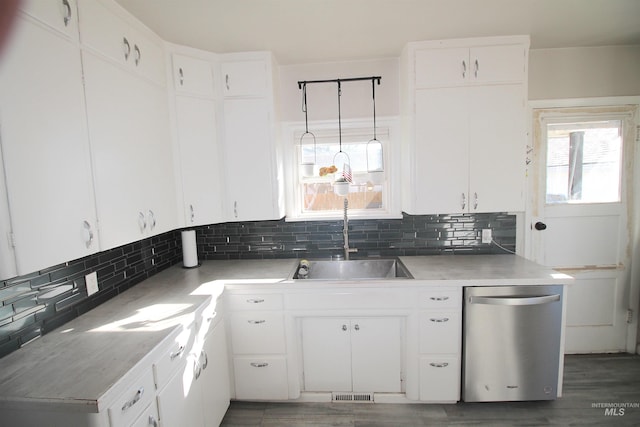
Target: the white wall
pixel 356 100
pixel 584 72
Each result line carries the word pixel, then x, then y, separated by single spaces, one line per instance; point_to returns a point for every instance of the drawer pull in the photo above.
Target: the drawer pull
pixel 439 365
pixel 439 298
pixel 133 401
pixel 256 322
pixel 175 354
pixel 204 359
pixel 259 364
pixel 255 300
pixel 152 421
pixel 444 319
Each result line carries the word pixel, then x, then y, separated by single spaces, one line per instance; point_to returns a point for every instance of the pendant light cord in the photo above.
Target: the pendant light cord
pixel 373 91
pixel 304 108
pixel 339 117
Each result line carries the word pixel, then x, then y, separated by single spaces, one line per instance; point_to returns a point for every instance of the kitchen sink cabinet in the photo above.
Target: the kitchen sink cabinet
pixel 352 354
pixel 462 155
pixel 252 171
pixel 45 146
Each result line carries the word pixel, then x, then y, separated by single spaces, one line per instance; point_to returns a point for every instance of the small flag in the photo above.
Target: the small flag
pixel 346 172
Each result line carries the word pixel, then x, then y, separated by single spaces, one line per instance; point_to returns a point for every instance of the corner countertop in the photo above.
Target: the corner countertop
pixel 79 363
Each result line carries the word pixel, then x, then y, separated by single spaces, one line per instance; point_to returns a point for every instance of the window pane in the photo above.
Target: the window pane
pixel 584 162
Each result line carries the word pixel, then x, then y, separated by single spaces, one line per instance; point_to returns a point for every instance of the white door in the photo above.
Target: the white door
pixel 579 223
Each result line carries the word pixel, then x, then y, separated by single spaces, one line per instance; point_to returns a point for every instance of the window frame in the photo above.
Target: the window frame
pixel 388 126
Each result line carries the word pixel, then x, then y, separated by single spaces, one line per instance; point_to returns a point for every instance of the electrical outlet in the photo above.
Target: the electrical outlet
pixel 92 283
pixel 486 235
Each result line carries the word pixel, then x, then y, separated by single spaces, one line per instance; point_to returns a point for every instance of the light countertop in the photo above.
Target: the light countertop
pixel 78 363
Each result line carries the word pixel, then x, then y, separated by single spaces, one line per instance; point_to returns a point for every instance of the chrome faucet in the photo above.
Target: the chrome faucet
pixel 345 232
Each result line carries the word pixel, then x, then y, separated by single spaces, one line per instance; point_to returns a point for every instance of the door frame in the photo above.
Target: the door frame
pixel 630 187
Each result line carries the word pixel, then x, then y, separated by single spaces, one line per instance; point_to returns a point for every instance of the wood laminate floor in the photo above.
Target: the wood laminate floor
pixel 589 380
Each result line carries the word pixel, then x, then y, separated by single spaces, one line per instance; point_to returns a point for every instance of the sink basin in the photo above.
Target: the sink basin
pixel 361 269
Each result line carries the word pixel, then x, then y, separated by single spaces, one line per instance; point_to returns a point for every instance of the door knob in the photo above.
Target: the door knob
pixel 540 226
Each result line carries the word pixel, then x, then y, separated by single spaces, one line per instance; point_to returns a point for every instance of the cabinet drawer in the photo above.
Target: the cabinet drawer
pixel 261 378
pixel 255 302
pixel 191 75
pixel 133 401
pixel 440 332
pixel 173 355
pixel 257 333
pixel 441 298
pixel 440 379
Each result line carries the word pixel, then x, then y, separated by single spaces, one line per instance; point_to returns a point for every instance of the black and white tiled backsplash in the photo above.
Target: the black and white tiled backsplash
pixel 37 303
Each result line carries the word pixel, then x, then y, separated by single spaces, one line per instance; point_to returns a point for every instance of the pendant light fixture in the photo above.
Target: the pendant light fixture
pixel 307 141
pixel 375 155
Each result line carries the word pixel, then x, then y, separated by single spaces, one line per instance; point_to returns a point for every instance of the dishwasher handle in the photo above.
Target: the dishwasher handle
pixel 514 300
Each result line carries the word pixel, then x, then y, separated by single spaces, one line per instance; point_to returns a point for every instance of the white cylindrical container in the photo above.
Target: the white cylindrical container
pixel 189 249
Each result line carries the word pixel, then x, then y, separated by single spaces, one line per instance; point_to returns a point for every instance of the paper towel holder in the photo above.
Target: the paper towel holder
pixel 189 250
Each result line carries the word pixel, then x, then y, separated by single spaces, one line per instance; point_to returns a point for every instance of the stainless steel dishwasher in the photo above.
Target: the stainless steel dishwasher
pixel 511 342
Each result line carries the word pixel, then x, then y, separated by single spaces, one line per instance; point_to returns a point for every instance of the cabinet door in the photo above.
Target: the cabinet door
pixel 249 151
pixel 180 401
pixel 498 64
pixel 105 32
pixel 441 162
pixel 61 15
pixel 214 379
pixel 45 149
pixel 244 78
pixel 497 147
pixel 376 355
pixel 326 353
pixel 128 129
pixel 192 76
pixel 441 67
pixel 199 160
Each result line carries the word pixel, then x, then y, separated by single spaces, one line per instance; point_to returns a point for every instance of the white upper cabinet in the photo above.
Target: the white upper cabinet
pixel 60 15
pixel 253 176
pixel 192 76
pixel 44 142
pixel 245 78
pixel 464 102
pixel 108 30
pixel 439 66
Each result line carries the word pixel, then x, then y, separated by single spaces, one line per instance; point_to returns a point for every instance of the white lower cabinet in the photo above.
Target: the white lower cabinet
pixel 149 417
pixel 352 354
pixel 440 379
pixel 261 378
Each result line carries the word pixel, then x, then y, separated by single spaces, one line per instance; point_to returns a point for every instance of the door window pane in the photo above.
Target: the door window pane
pixel 584 162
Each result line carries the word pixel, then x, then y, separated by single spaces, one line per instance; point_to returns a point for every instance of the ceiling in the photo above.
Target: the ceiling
pixel 307 31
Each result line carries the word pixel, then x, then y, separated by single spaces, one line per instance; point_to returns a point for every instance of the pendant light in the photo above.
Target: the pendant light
pixel 375 157
pixel 307 141
pixel 341 185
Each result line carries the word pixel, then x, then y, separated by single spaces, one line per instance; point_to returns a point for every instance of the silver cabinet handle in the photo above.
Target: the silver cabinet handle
pixel 514 300
pixel 127 48
pixel 463 203
pixel 67 15
pixel 142 222
pixel 235 209
pixel 226 81
pixel 255 300
pixel 438 298
pixel 181 74
pixel 256 322
pixel 439 365
pixel 89 236
pixel 197 369
pixel 152 421
pixel 152 220
pixel 138 56
pixel 477 68
pixel 344 327
pixel 133 401
pixel 193 212
pixel 259 364
pixel 205 363
pixel 464 69
pixel 175 354
pixel 475 200
pixel 441 320
pixel 357 327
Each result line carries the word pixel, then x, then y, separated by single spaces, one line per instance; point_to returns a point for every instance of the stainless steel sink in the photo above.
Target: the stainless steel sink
pixel 361 269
